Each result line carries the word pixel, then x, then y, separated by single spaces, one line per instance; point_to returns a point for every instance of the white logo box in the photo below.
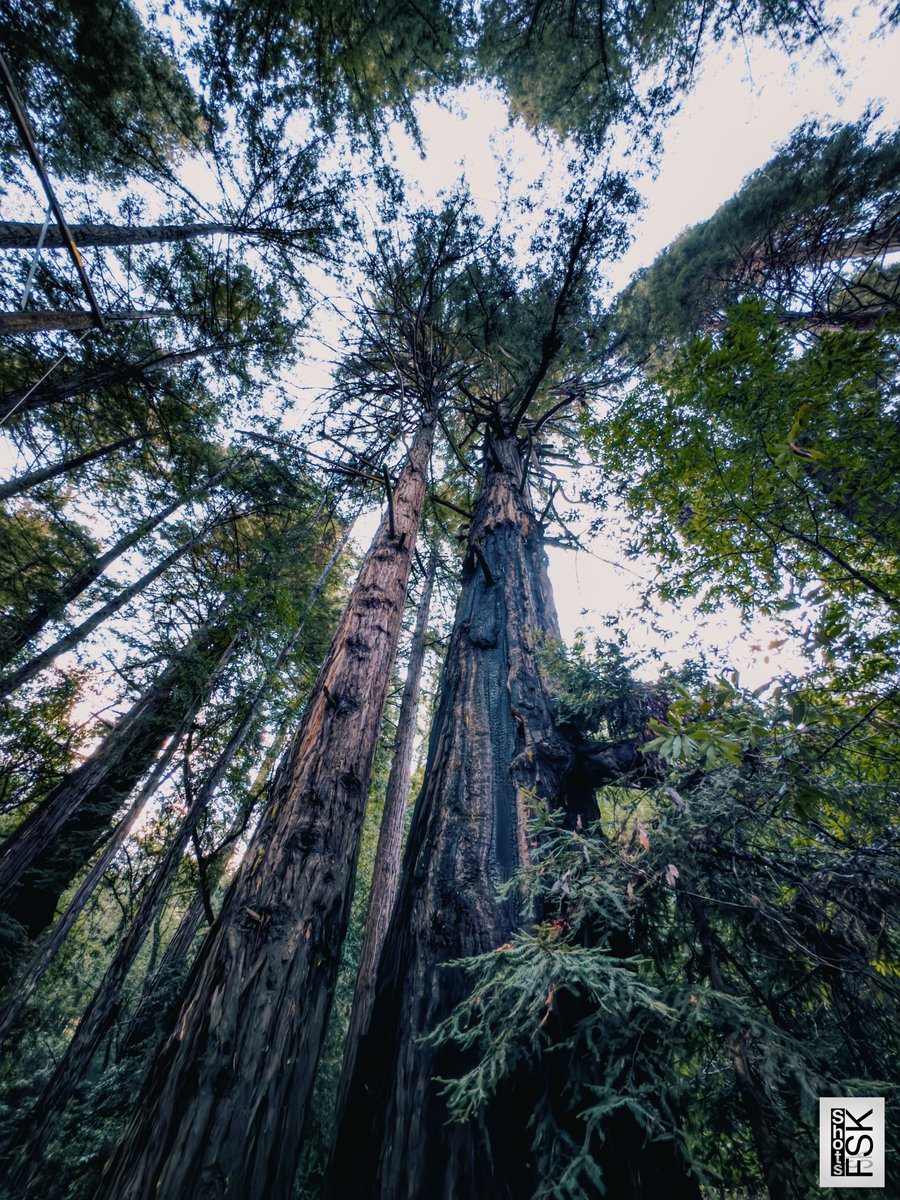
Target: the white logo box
pixel 851 1141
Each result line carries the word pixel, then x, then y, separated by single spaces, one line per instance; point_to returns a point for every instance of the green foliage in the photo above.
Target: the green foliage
pixel 578 68
pixel 595 693
pixel 767 476
pixel 795 234
pixel 361 61
pixel 105 93
pixel 689 943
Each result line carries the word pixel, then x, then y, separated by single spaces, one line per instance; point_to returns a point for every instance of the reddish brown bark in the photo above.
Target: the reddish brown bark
pixel 386 871
pixel 493 745
pixel 222 1110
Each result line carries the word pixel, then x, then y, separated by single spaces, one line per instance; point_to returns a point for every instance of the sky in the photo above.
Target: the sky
pixel 747 100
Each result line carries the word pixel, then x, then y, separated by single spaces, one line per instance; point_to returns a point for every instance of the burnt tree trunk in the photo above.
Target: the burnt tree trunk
pixel 493 746
pixel 386 871
pixel 222 1110
pixel 51 606
pixel 57 839
pixel 41 395
pixel 494 751
pixel 30 479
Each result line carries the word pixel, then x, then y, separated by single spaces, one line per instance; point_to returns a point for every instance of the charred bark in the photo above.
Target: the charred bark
pixel 494 747
pixel 222 1110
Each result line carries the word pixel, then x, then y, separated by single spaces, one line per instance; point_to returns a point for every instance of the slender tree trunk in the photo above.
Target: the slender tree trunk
pixel 31 479
pixel 493 745
pixel 57 839
pixel 176 951
pixel 156 1000
pixel 50 607
pixel 386 872
pixel 870 245
pixel 863 319
pixel 15 679
pixel 24 235
pixel 74 320
pixel 26 985
pixel 752 1093
pixel 41 395
pixel 223 1107
pixel 103 1006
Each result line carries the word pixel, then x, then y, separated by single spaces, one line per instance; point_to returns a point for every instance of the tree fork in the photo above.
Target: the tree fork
pixel 494 744
pixel 222 1110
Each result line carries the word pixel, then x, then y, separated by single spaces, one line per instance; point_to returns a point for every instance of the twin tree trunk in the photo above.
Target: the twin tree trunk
pixel 222 1110
pixel 494 748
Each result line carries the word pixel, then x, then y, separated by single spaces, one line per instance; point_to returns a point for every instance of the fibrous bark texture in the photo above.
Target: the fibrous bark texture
pixel 223 1107
pixel 494 748
pixel 386 871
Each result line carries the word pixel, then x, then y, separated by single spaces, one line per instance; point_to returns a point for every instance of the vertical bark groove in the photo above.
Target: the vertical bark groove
pixel 222 1110
pixel 493 746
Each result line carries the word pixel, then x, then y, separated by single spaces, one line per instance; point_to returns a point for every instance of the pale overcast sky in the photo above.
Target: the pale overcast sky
pixel 743 105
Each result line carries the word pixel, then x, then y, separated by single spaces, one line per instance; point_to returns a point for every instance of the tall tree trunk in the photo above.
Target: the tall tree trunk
pixel 15 679
pixel 493 744
pixel 157 999
pixel 50 946
pixel 57 839
pixel 74 320
pixel 101 1010
pixel 31 479
pixel 494 751
pixel 223 1107
pixel 41 395
pixel 24 235
pixel 50 607
pixel 176 951
pixel 386 871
